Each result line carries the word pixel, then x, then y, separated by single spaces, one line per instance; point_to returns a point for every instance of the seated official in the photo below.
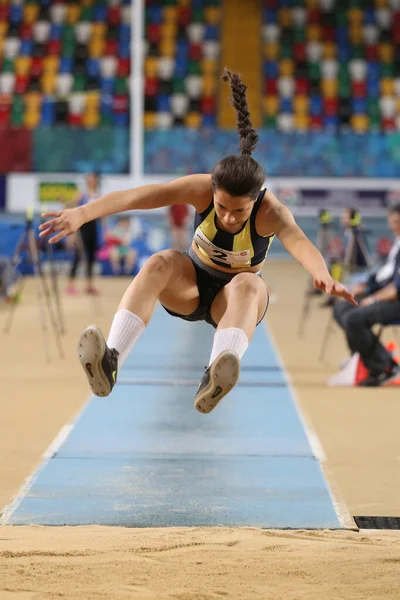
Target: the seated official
pixel 379 302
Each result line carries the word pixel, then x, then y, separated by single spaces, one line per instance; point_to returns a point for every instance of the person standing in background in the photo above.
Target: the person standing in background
pixel 178 220
pixel 86 240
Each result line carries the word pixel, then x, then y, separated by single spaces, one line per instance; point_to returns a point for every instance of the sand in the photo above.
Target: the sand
pixel 358 431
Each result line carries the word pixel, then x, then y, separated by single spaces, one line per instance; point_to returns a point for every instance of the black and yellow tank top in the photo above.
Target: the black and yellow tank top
pixel 235 250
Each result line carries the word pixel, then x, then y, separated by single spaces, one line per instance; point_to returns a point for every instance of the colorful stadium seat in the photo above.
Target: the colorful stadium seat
pixel 345 55
pixel 54 51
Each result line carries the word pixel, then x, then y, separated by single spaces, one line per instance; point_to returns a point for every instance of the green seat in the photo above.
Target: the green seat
pixel 86 14
pixel 121 85
pixel 387 70
pixel 17 111
pixel 314 71
pixel 299 34
pixel 178 85
pixel 197 16
pixel 106 120
pixel 194 67
pixel 373 108
pixel 375 121
pixel 8 65
pixel 344 90
pixel 270 122
pixel 357 51
pixel 286 50
pixel 80 82
pixel 68 33
pixel 341 18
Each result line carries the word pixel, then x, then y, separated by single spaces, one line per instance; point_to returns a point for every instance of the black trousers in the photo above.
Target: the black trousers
pixel 89 243
pixel 356 321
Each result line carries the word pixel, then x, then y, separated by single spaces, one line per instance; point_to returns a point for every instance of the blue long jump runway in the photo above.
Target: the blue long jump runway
pixel 144 457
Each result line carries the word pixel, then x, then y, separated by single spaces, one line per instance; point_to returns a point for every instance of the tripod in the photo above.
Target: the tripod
pixel 323 240
pixel 45 300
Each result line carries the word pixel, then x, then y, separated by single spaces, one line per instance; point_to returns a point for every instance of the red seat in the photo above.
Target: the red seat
pixel 124 67
pixel 153 33
pixel 75 120
pixel 358 89
pixel 183 16
pixel 21 84
pixel 121 103
pixel 315 122
pixel 314 16
pixel 330 106
pixel 302 85
pixel 388 124
pixel 37 66
pixel 195 52
pixel 328 34
pixel 54 48
pixel 208 105
pixel 299 51
pixel 371 53
pixel 114 15
pixel 271 86
pixel 111 48
pixel 4 12
pixel 151 86
pixel 25 31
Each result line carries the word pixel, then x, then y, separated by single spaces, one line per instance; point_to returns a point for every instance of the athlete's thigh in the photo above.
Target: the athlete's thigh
pixel 221 300
pixel 181 294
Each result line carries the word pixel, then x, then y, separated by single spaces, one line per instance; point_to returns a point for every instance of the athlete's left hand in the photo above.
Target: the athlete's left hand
pixel 328 285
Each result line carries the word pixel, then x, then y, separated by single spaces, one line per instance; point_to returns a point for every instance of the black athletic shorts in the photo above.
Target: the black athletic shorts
pixel 209 283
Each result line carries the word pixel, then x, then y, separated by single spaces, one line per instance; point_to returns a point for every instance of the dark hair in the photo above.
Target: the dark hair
pixel 394 209
pixel 240 174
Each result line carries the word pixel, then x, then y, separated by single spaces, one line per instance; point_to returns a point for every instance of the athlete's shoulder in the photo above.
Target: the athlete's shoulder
pixel 194 189
pixel 269 214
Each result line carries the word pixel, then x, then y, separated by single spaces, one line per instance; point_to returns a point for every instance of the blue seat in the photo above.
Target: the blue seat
pixel 211 32
pixel 271 69
pixel 373 70
pixel 26 48
pixel 286 105
pixel 163 103
pixel 48 112
pixel 182 48
pixel 270 15
pixel 369 16
pixel 315 105
pixel 100 13
pixel 124 49
pixel 209 121
pixel 93 67
pixel 66 64
pixel 106 104
pixel 56 31
pixel 124 33
pixel 331 122
pixel 155 14
pixel 343 52
pixel 373 90
pixel 107 85
pixel 16 14
pixel 121 119
pixel 359 106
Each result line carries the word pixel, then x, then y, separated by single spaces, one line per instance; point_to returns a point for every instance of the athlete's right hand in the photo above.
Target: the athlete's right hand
pixel 62 223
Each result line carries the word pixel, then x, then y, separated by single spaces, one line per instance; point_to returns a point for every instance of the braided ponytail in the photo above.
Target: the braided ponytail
pixel 247 134
pixel 240 175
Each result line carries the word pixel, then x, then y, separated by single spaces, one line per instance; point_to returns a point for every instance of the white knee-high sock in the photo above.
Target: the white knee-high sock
pixel 125 331
pixel 230 338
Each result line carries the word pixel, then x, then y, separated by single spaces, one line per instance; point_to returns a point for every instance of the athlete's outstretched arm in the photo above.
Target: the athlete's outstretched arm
pixel 282 222
pixel 192 189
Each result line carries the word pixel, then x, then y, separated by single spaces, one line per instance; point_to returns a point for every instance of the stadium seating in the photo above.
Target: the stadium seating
pixel 331 64
pixel 181 65
pixel 65 63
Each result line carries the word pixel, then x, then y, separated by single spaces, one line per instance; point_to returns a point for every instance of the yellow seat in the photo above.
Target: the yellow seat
pixel 50 64
pixel 168 30
pixel 209 66
pixel 73 13
pixel 98 30
pixel 387 86
pixel 355 16
pixel 300 104
pixel 355 34
pixel 184 3
pixel 87 2
pixel 329 88
pixel 271 105
pixel 3 29
pixel 301 122
pixel 31 119
pixel 286 67
pixel 151 66
pixel 91 119
pixel 209 84
pixel 312 3
pixel 360 123
pixel 385 52
pixel 168 47
pixel 381 3
pixel 271 50
pixel 48 83
pixel 193 120
pixel 313 33
pixel 23 65
pixel 169 13
pixel 329 50
pixel 212 15
pixel 285 17
pixel 92 100
pixel 31 12
pixel 33 101
pixel 149 120
pixel 96 48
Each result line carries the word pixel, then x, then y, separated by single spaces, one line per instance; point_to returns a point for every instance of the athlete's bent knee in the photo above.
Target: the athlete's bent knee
pixel 161 262
pixel 246 284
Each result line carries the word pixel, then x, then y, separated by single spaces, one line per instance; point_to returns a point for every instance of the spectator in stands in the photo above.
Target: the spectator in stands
pixel 178 219
pixel 379 302
pixel 120 239
pixel 86 239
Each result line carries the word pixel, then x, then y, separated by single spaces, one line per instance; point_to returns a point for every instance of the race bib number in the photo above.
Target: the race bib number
pixel 225 256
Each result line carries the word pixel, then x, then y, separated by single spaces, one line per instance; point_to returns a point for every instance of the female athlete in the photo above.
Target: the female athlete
pixel 218 280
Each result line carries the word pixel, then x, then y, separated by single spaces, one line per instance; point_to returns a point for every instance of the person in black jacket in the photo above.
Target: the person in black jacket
pixel 379 302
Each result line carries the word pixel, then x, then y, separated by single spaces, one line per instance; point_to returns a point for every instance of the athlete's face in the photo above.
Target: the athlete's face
pixel 232 211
